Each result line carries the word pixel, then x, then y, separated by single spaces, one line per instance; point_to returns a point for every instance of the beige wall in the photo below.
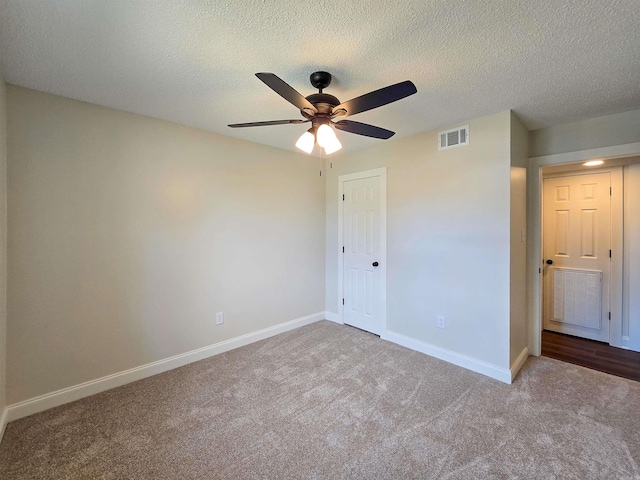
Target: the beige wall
pixel 127 234
pixel 3 249
pixel 448 238
pixel 606 131
pixel 518 220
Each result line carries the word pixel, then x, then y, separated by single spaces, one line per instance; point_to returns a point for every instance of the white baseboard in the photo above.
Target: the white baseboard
pixel 3 421
pixel 332 317
pixel 519 363
pixel 70 394
pixel 458 359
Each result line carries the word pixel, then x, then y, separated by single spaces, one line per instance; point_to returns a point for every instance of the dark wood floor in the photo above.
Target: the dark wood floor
pixel 592 354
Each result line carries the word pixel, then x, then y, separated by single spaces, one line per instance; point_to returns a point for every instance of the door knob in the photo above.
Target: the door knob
pixel 549 262
pixel 375 264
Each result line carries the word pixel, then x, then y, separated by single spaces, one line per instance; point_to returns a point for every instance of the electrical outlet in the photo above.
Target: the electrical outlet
pixel 441 321
pixel 219 318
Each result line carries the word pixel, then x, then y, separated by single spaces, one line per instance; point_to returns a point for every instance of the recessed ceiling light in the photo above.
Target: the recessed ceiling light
pixel 593 163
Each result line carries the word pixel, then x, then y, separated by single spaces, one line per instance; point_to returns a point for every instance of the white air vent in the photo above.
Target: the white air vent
pixel 456 137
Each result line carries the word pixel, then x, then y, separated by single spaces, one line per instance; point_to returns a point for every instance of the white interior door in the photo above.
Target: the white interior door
pixel 364 250
pixel 576 250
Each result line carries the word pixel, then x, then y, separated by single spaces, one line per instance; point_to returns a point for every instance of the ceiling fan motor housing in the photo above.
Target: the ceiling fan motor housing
pixel 323 102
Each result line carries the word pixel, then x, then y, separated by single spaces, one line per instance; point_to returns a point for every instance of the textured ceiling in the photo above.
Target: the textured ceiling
pixel 193 62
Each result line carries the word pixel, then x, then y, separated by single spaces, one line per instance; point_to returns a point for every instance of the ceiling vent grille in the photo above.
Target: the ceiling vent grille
pixel 456 137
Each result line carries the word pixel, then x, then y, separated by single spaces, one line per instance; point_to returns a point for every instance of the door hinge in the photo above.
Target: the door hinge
pixel 609 315
pixel 610 190
pixel 609 253
pixel 342 249
pixel 539 270
pixel 343 301
pixel 343 197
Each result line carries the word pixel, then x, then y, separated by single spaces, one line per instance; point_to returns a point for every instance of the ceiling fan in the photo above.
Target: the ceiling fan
pixel 321 109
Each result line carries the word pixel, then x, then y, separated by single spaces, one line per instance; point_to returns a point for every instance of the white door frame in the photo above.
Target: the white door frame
pixel 376 172
pixel 534 238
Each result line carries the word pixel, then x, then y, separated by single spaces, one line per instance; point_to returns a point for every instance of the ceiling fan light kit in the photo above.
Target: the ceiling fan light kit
pixel 306 141
pixel 333 146
pixel 325 135
pixel 321 108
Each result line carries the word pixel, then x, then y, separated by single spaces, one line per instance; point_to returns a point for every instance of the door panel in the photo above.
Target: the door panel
pixel 362 248
pixel 577 240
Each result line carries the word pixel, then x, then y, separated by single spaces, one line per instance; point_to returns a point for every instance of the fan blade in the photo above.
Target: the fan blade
pixel 364 129
pixel 376 99
pixel 262 124
pixel 287 92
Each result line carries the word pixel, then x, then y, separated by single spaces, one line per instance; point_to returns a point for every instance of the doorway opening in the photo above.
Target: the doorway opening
pixel 589 239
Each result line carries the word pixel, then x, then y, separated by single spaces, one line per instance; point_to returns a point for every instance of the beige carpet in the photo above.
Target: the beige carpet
pixel 329 401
